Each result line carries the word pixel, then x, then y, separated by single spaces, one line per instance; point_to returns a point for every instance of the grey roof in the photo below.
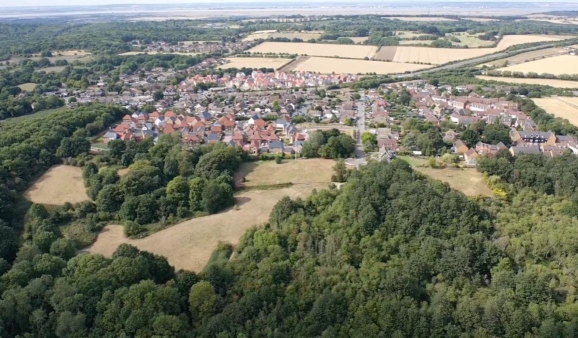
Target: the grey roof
pixel 213 137
pixel 276 145
pixel 526 150
pixel 111 135
pixel 206 115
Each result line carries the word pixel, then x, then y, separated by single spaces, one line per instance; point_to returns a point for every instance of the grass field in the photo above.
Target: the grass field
pixel 360 39
pixel 297 35
pixel 419 19
pixel 316 49
pixel 257 62
pixel 472 41
pixel 68 55
pixel 525 57
pixel 330 65
pixel 28 86
pixel 189 245
pixel 31 116
pixel 468 180
pixel 259 35
pixel 544 82
pixel 326 126
pixel 564 107
pixel 557 65
pixel 444 55
pixel 60 184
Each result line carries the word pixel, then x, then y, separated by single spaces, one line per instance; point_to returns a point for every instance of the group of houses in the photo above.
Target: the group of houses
pixel 199 47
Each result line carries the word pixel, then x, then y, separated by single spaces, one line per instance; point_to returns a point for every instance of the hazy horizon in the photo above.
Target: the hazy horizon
pixel 58 3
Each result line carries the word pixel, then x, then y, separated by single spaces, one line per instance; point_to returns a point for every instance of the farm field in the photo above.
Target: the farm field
pixel 259 35
pixel 481 19
pixel 564 107
pixel 297 35
pixel 415 42
pixel 316 49
pixel 526 57
pixel 444 55
pixel 419 19
pixel 330 65
pixel 189 245
pixel 468 180
pixel 256 62
pixel 155 53
pixel 545 82
pixel 60 184
pixel 557 65
pixel 27 86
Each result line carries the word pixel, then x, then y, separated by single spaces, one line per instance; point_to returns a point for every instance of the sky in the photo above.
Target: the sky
pixel 18 3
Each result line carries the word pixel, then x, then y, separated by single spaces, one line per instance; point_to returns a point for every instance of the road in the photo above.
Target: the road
pixel 359 153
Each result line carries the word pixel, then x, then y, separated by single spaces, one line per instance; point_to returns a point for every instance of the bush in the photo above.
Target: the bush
pixel 133 229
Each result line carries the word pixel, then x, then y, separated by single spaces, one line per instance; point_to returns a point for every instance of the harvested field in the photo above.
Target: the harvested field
pixel 543 82
pixel 259 35
pixel 526 57
pixel 316 49
pixel 155 53
pixel 386 53
pixel 361 39
pixel 438 56
pixel 295 64
pixel 330 65
pixel 468 180
pixel 420 19
pixel 557 65
pixel 305 36
pixel 189 245
pixel 257 62
pixel 269 172
pixel 564 107
pixel 415 42
pixel 60 184
pixel 28 86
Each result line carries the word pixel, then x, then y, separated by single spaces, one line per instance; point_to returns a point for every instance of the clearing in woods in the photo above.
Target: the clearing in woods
pixel 438 56
pixel 257 62
pixel 27 86
pixel 316 49
pixel 543 82
pixel 339 66
pixel 564 107
pixel 189 245
pixel 467 180
pixel 60 184
pixel 557 65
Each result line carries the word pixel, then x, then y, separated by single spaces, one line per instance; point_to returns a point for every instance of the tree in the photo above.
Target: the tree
pixel 158 95
pixel 109 199
pixel 202 301
pixel 340 172
pixel 470 137
pixel 196 188
pixel 178 192
pixel 72 147
pixel 496 133
pixel 217 196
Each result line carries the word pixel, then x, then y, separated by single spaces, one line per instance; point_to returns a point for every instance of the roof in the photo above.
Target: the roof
pixel 276 145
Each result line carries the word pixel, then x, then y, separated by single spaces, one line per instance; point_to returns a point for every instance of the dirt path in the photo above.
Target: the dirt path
pixel 189 245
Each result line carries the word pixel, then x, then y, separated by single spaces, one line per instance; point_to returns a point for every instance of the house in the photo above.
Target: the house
pixel 388 144
pixel 489 149
pixel 460 147
pixel 110 136
pixel 517 150
pixel 532 137
pixel 276 147
pixel 471 157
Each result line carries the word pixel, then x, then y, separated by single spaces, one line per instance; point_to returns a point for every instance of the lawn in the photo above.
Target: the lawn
pixel 466 180
pixel 301 171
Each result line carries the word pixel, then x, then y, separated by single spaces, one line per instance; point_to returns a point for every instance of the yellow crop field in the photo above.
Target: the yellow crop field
pixel 557 65
pixel 330 65
pixel 274 63
pixel 543 82
pixel 564 107
pixel 438 56
pixel 316 49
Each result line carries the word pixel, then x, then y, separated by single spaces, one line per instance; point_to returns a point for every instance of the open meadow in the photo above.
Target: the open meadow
pixel 27 86
pixel 60 184
pixel 563 107
pixel 316 49
pixel 188 245
pixel 257 62
pixel 544 82
pixel 438 56
pixel 330 65
pixel 466 180
pixel 557 65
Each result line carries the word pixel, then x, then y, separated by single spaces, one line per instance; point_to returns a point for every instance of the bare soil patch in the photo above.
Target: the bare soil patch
pixel 564 107
pixel 334 65
pixel 60 184
pixel 316 49
pixel 543 82
pixel 257 62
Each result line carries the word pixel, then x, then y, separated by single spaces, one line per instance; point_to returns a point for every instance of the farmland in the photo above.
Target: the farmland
pixel 444 55
pixel 189 245
pixel 259 35
pixel 420 19
pixel 544 82
pixel 557 65
pixel 257 62
pixel 472 41
pixel 316 49
pixel 525 57
pixel 482 19
pixel 155 53
pixel 466 180
pixel 57 186
pixel 564 107
pixel 330 65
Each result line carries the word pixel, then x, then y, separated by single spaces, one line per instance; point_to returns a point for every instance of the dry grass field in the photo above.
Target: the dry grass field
pixel 154 53
pixel 326 126
pixel 189 245
pixel 564 107
pixel 419 19
pixel 482 19
pixel 257 62
pixel 259 35
pixel 557 65
pixel 28 86
pixel 297 35
pixel 330 65
pixel 468 180
pixel 526 57
pixel 472 41
pixel 316 49
pixel 544 82
pixel 444 55
pixel 60 184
